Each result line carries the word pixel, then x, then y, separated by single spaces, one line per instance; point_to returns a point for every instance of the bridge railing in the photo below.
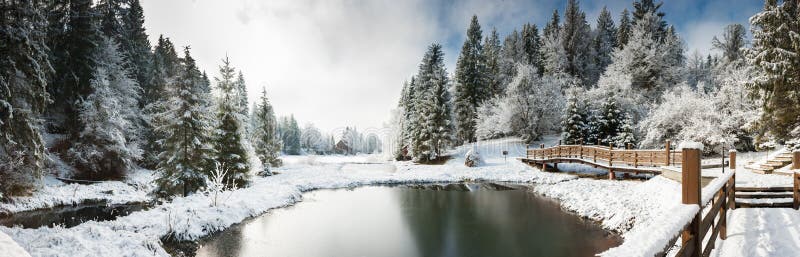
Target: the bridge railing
pixel 698 221
pixel 630 157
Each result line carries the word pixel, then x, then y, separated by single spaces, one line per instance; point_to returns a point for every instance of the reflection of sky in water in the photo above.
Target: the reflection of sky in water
pixel 400 221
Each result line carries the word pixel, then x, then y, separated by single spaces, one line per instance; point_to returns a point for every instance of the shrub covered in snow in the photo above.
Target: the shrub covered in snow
pixel 473 158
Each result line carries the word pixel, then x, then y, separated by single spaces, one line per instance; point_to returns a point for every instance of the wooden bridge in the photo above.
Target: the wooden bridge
pixel 605 157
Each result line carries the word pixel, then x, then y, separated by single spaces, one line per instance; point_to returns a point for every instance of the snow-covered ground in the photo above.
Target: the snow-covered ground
pixel 10 248
pixel 53 193
pixel 617 205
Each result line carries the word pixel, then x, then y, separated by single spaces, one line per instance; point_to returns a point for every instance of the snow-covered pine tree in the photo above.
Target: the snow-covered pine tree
pixel 532 47
pixel 291 136
pixel 241 91
pixel 163 75
pixel 432 132
pixel 624 30
pixel 642 8
pixel 104 148
pixel 553 27
pixel 609 120
pixel 74 65
pixel 625 134
pixel 230 132
pixel 188 156
pixel 492 52
pixel 470 82
pixel 136 45
pixel 574 122
pixel 266 140
pixel 24 70
pixel 776 55
pixel 577 44
pixel 605 40
pixel 647 65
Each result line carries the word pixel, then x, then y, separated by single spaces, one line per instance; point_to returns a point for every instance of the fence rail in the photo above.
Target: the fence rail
pixel 609 155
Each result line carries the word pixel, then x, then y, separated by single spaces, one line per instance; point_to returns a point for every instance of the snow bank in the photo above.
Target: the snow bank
pixel 10 248
pixel 617 205
pixel 56 193
pixel 654 236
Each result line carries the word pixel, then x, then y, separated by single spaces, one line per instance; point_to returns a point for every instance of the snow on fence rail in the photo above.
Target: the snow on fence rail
pixel 697 227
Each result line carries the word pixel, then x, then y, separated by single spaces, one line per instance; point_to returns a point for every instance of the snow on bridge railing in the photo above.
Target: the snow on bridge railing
pixel 686 220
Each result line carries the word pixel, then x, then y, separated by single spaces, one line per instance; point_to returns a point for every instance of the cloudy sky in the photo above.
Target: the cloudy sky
pixel 342 63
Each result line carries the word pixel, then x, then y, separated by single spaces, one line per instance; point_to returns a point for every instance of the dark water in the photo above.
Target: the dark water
pixel 69 216
pixel 414 221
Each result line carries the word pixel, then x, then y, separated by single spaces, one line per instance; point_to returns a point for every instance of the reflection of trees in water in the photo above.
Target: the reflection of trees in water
pixel 496 223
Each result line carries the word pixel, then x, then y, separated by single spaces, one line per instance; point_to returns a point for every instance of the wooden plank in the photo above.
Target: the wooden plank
pixel 764 205
pixel 709 218
pixel 763 189
pixel 687 247
pixel 710 243
pixel 764 196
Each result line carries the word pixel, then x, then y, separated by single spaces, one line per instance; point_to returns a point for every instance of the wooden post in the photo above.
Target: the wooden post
pixel 796 160
pixel 723 218
pixel 527 151
pixel 667 159
pixel 796 192
pixel 732 166
pixel 690 192
pixel 611 174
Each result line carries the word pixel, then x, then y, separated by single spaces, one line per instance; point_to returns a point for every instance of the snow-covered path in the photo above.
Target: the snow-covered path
pixel 761 232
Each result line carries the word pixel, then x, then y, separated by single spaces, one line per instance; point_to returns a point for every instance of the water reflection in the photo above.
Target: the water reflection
pixel 70 216
pixel 405 221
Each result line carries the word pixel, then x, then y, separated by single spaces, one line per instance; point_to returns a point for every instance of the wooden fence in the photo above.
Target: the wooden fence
pixel 608 154
pixel 713 222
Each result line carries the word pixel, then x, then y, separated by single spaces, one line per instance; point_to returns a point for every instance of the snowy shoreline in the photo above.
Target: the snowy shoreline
pixel 616 205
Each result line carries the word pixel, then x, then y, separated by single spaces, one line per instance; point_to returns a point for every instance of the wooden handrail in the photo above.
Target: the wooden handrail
pixel 635 158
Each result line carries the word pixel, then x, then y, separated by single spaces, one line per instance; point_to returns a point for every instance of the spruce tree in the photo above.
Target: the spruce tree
pixel 609 120
pixel 24 70
pixel 532 47
pixel 74 64
pixel 605 39
pixel 625 133
pixel 163 75
pixel 136 46
pixel 265 136
pixel 624 30
pixel 574 122
pixel 471 82
pixel 643 7
pixel 576 34
pixel 188 155
pixel 492 55
pixel 774 54
pixel 553 27
pixel 229 139
pixel 241 91
pixel 106 146
pixel 433 131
